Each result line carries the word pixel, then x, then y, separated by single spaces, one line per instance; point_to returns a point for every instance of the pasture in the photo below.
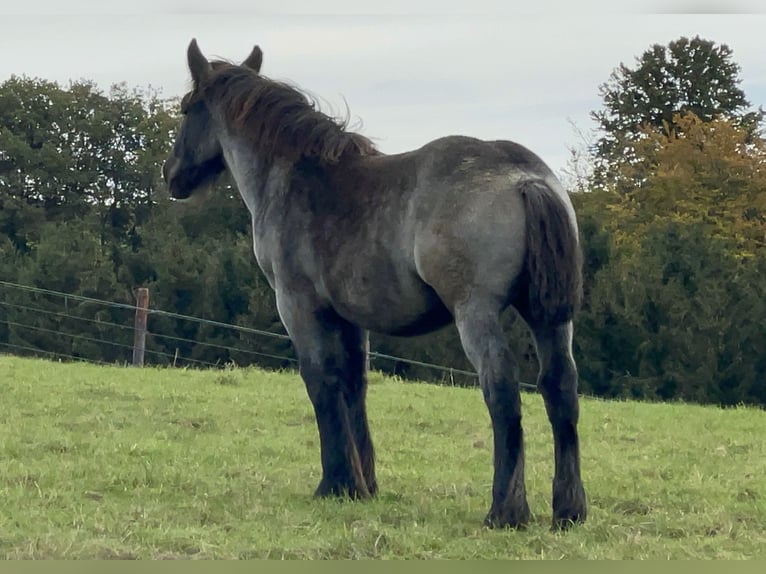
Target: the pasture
pixel 110 462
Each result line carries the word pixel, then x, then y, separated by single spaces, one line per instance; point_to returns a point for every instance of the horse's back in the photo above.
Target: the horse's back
pixel 451 156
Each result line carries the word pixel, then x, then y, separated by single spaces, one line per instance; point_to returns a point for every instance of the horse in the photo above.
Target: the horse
pixel 353 240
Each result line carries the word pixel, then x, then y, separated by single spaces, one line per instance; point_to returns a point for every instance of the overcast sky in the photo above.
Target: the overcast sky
pixel 410 71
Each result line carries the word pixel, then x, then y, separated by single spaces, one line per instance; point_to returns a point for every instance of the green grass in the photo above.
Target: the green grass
pixel 109 462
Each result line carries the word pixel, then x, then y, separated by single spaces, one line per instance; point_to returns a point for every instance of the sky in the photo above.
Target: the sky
pixel 409 71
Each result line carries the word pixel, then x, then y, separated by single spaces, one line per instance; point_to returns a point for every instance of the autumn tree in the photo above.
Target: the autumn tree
pixel 711 173
pixel 687 76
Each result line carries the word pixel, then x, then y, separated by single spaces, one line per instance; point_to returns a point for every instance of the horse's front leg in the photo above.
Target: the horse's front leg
pixel 331 360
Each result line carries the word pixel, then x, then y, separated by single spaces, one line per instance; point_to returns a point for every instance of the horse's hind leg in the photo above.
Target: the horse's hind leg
pixel 485 345
pixel 557 382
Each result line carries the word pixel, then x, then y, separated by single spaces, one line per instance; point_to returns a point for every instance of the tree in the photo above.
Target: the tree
pixel 679 319
pixel 694 76
pixel 65 153
pixel 78 170
pixel 68 257
pixel 674 301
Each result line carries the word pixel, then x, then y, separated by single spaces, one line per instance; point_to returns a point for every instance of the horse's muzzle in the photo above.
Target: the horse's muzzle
pixel 169 169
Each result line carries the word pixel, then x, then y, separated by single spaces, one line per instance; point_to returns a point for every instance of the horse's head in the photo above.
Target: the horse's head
pixel 196 160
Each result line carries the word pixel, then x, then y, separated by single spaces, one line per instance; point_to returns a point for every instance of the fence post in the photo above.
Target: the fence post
pixel 139 331
pixel 367 351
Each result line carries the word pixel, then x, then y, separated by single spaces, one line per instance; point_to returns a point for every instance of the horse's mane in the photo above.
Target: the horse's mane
pixel 279 119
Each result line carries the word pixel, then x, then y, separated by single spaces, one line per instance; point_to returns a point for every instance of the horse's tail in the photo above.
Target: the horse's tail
pixel 554 256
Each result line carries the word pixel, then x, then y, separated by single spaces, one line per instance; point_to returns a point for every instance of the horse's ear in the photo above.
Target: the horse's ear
pixel 198 64
pixel 254 60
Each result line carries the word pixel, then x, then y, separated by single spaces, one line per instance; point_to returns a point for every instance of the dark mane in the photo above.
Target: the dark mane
pixel 278 119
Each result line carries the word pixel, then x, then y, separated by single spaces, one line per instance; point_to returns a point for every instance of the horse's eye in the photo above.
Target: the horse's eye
pixel 185 104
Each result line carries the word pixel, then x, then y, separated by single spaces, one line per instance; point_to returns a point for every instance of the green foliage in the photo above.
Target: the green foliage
pixel 107 462
pixel 72 152
pixel 83 211
pixel 679 319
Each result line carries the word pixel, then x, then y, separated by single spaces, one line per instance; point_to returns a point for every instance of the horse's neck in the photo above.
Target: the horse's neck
pixel 256 181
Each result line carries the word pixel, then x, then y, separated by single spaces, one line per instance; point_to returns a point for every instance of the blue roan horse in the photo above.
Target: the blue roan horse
pixel 352 240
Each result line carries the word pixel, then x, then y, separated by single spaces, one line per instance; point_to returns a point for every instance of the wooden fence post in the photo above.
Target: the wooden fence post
pixel 367 350
pixel 139 331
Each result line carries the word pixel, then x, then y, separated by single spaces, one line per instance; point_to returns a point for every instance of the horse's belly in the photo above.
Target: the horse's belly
pixel 389 303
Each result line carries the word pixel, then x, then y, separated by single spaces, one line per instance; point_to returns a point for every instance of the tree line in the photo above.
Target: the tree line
pixel 671 200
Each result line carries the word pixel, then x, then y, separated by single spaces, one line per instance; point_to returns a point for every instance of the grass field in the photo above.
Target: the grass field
pixel 108 462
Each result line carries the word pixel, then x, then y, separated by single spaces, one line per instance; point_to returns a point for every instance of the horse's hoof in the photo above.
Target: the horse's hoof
pixel 341 490
pixel 511 520
pixel 564 520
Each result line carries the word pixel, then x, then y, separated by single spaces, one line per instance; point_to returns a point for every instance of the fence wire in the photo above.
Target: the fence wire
pixel 174 359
